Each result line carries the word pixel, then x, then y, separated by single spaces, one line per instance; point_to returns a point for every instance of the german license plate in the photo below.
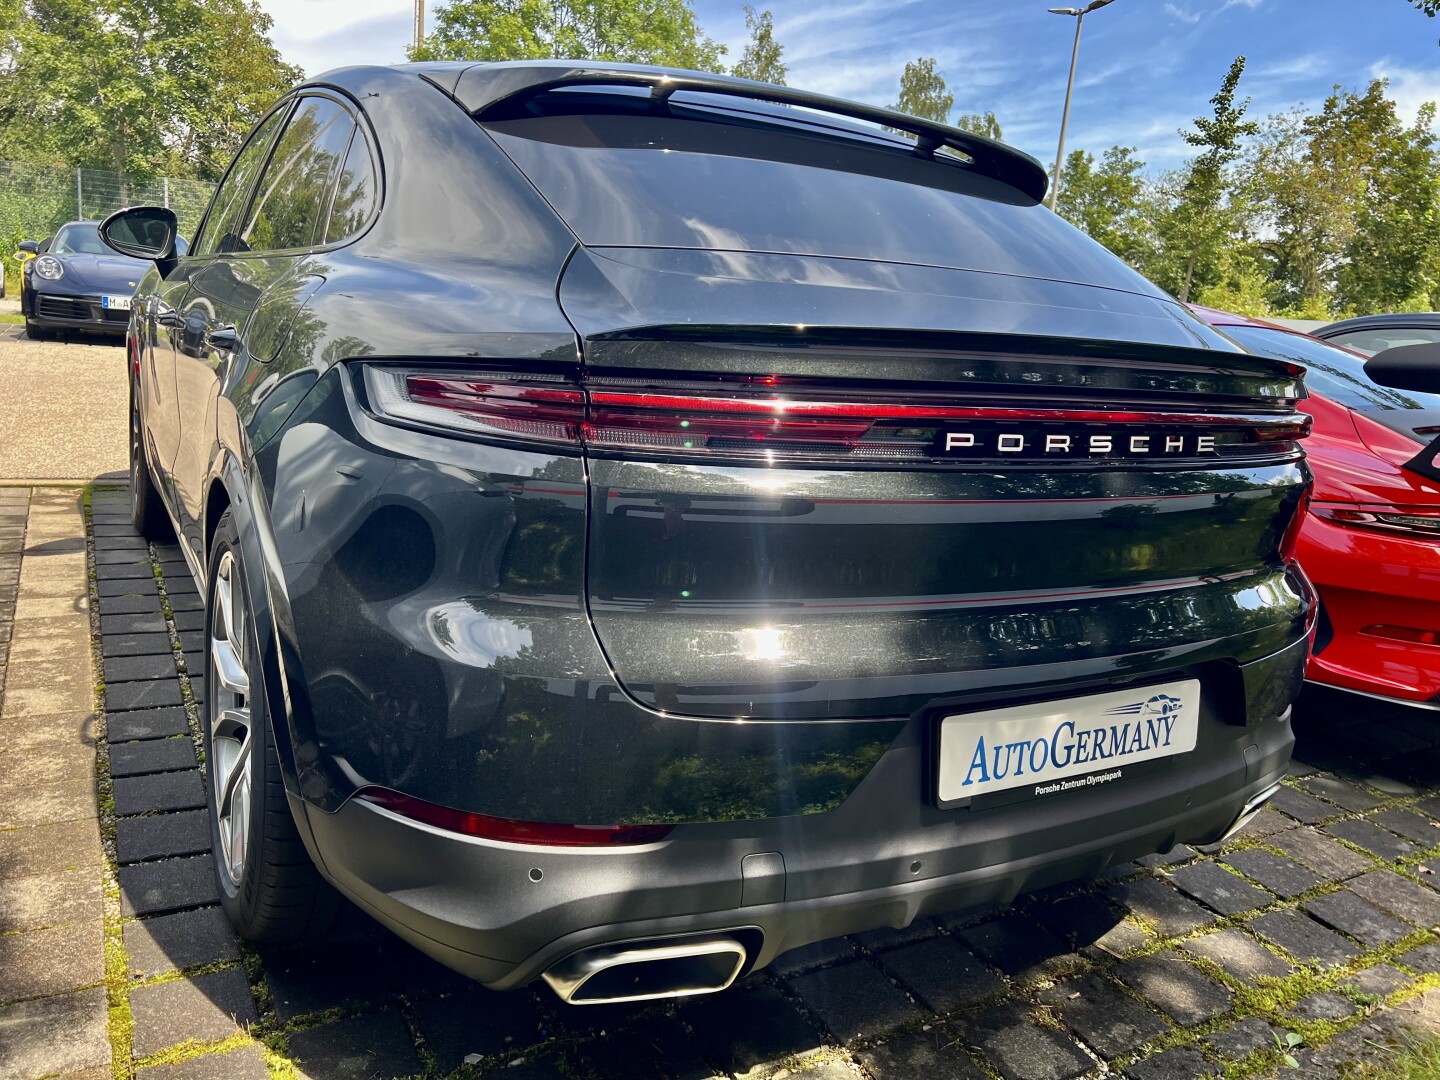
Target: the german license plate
pixel 115 303
pixel 1060 745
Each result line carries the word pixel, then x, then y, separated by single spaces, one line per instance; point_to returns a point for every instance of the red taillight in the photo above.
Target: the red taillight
pixel 1421 521
pixel 509 830
pixel 723 419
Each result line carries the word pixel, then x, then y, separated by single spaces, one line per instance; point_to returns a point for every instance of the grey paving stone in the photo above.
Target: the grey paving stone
pixel 162 836
pixel 1361 920
pixel 1325 1005
pixel 854 1001
pixel 154 887
pixel 1160 905
pixel 931 1054
pixel 143 644
pixel 1108 1020
pixel 120 669
pixel 1279 875
pixel 1018 1047
pixel 37 901
pixel 1424 960
pixel 132 624
pixel 125 581
pixel 109 556
pixel 151 756
pixel 129 605
pixel 55 1035
pixel 206 1008
pixel 888 937
pixel 153 694
pixel 1379 842
pixel 748 1032
pixel 1241 1039
pixel 244 1063
pixel 45 849
pixel 1178 854
pixel 1086 921
pixel 1379 981
pixel 1321 853
pixel 653 1045
pixel 1301 806
pixel 1340 792
pixel 185 939
pixel 1218 888
pixel 941 974
pixel 808 957
pixel 42 963
pixel 189 620
pixel 1409 824
pixel 1303 938
pixel 148 724
pixel 1238 955
pixel 341 974
pixel 1168 981
pixel 1412 902
pixel 1182 1063
pixel 476 1021
pixel 162 791
pixel 1015 945
pixel 185 601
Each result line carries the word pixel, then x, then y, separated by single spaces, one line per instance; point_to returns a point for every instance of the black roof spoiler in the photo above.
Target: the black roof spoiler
pixel 484 88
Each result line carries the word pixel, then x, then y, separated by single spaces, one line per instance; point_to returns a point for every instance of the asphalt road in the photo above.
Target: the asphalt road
pixel 62 408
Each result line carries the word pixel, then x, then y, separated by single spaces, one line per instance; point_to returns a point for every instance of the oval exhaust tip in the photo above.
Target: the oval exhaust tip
pixel 647 970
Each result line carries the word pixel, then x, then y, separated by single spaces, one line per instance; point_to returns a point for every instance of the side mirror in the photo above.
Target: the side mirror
pixel 31 247
pixel 142 232
pixel 1407 367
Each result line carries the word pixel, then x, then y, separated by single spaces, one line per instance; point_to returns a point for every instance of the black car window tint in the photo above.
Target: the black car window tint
pixel 355 193
pixel 294 193
pixel 1329 371
pixel 1379 339
pixel 218 233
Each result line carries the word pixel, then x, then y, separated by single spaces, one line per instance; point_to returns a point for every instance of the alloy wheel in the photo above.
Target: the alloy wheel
pixel 228 717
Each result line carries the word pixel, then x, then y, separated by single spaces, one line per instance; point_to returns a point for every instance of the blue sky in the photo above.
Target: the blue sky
pixel 1146 66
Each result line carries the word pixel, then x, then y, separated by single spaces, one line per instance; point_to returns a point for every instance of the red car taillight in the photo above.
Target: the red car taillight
pixel 753 420
pixel 509 830
pixel 1419 521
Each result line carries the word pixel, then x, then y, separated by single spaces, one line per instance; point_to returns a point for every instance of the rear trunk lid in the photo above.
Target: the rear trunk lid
pixel 1006 483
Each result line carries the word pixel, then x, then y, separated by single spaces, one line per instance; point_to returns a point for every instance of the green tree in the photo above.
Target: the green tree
pixel 923 93
pixel 981 124
pixel 1198 217
pixel 761 59
pixel 1105 200
pixel 1429 7
pixel 1392 258
pixel 142 87
pixel 627 31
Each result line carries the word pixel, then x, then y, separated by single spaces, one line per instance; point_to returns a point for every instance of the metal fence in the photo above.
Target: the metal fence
pixel 35 200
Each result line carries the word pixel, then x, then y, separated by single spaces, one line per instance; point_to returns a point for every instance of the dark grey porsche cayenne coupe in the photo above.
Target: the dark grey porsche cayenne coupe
pixel 650 521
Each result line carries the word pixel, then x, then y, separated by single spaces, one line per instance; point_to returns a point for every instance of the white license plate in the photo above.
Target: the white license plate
pixel 115 303
pixel 1045 744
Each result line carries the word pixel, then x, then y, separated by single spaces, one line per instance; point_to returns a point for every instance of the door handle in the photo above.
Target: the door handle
pixel 222 338
pixel 169 318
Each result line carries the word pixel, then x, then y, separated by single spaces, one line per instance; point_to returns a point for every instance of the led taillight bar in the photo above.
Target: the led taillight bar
pixel 510 830
pixel 551 409
pixel 1419 522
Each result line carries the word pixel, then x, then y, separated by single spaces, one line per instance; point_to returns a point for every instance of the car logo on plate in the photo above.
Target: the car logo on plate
pixel 1159 705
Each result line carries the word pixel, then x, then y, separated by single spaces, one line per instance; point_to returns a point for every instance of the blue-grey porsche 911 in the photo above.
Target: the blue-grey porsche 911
pixel 78 283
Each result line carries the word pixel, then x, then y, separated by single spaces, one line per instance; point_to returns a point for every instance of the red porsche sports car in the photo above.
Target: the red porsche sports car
pixel 1371 539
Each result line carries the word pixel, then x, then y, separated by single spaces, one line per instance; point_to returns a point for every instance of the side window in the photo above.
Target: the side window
pixel 1371 342
pixel 355 195
pixel 294 194
pixel 219 231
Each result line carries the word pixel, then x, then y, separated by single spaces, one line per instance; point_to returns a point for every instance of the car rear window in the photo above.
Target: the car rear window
pixel 627 179
pixel 1330 372
pixel 1379 339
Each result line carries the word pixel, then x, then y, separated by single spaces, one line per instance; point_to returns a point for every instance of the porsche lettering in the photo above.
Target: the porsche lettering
pixel 1067 444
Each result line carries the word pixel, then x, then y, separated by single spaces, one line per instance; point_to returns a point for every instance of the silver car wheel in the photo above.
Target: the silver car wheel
pixel 228 716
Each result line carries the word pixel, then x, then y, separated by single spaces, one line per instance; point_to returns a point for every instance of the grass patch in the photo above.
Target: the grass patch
pixel 1412 1058
pixel 12 318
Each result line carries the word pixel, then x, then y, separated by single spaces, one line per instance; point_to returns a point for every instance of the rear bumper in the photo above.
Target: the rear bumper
pixel 504 913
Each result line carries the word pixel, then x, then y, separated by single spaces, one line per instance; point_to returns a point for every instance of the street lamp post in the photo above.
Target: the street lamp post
pixel 1079 14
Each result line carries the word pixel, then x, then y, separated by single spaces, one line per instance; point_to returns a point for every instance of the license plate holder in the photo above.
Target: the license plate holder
pixel 1095 737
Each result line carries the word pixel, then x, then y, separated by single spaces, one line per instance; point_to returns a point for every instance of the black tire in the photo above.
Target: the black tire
pixel 34 333
pixel 147 512
pixel 272 893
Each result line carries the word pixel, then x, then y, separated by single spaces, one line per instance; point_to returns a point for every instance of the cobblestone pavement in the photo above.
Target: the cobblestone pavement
pixel 1318 920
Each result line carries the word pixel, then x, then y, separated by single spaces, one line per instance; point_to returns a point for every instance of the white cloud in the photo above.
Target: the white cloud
pixel 1183 14
pixel 1409 88
pixel 1251 4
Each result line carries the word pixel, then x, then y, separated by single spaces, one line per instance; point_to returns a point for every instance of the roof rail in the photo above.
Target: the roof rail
pixel 485 88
